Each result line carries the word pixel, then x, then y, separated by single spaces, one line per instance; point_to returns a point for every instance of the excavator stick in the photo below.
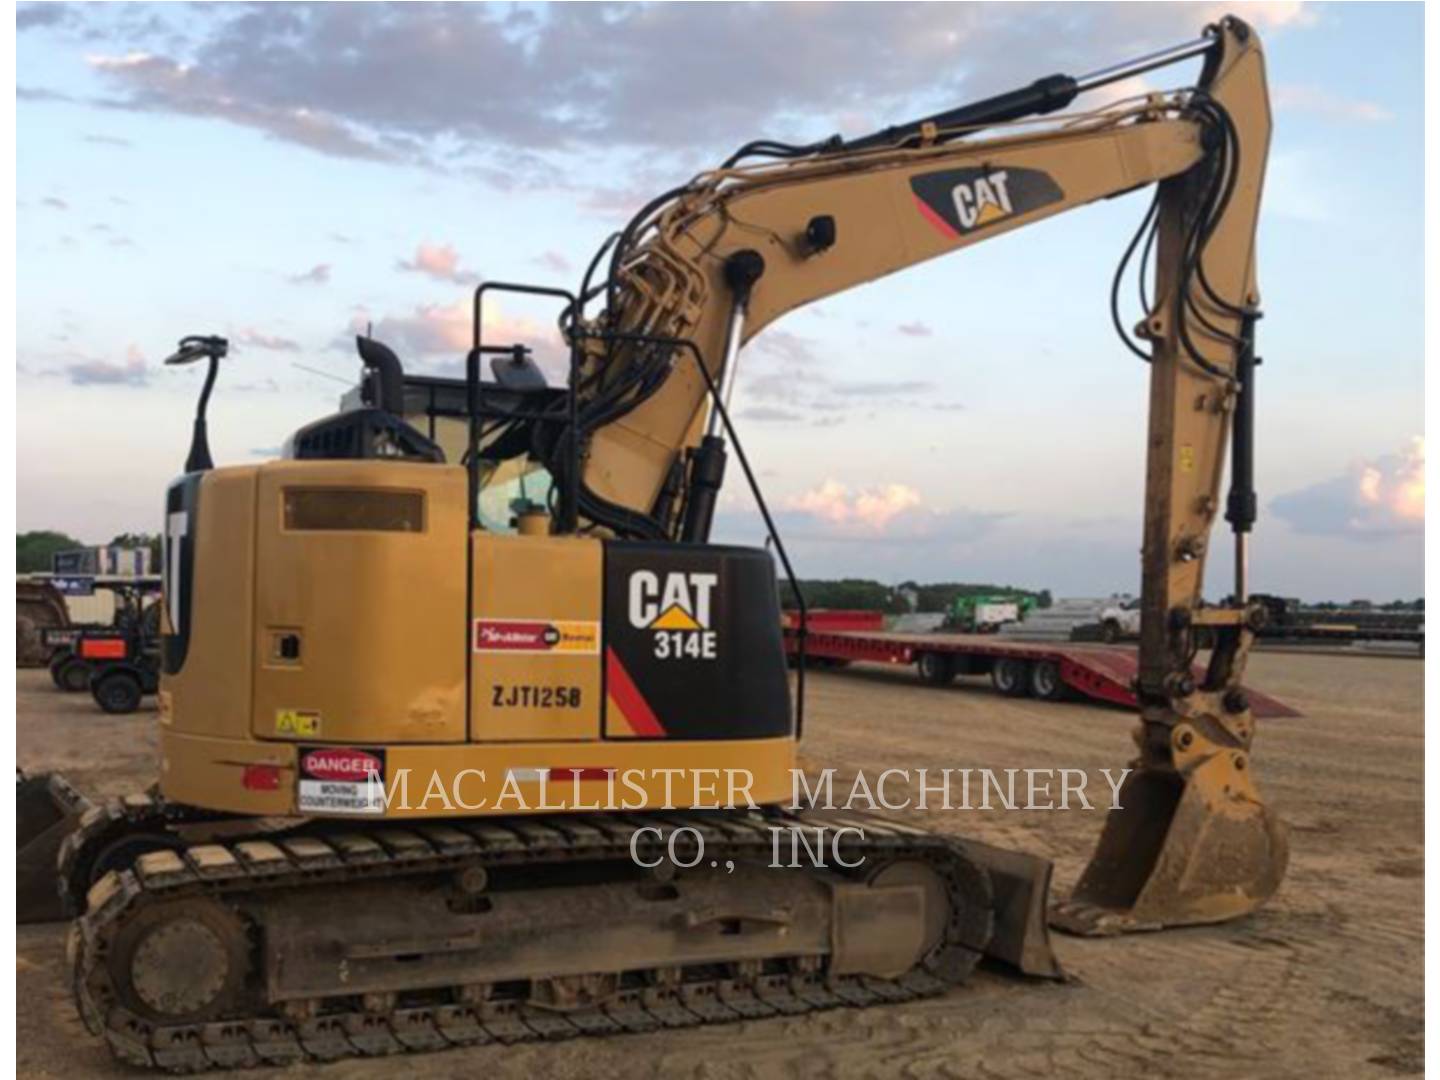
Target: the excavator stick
pixel 47 810
pixel 1180 850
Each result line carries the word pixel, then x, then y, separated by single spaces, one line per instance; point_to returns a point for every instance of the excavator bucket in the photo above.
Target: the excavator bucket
pixel 1179 850
pixel 47 809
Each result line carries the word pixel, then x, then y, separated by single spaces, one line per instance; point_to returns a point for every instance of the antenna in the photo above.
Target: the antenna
pixel 322 374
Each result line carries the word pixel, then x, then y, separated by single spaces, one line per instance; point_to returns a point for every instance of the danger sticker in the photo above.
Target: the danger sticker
pixel 536 636
pixel 341 780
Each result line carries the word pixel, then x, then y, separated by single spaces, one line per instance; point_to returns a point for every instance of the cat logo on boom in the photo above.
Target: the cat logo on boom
pixel 959 201
pixel 677 610
pixel 983 200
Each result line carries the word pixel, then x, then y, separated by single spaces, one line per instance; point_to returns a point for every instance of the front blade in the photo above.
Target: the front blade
pixel 47 809
pixel 1021 885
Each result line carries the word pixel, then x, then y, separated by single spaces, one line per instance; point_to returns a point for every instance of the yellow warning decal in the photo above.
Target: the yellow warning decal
pixel 300 722
pixel 1187 458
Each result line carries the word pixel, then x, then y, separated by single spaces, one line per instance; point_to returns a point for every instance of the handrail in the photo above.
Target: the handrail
pixel 569 509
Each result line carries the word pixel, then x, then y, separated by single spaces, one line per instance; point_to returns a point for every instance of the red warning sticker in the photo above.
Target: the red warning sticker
pixel 341 780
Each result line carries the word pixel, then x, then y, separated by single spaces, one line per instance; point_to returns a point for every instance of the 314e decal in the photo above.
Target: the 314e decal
pixel 685 657
pixel 676 608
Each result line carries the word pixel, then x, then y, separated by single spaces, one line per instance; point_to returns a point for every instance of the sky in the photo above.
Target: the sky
pixel 288 175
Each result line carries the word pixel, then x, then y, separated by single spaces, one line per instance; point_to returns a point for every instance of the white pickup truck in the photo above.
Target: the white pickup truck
pixel 1120 620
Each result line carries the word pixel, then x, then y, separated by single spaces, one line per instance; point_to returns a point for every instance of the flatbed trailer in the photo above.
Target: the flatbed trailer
pixel 1290 622
pixel 1048 670
pixel 1342 634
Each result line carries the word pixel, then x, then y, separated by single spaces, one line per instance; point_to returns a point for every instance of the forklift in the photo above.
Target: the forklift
pixel 119 664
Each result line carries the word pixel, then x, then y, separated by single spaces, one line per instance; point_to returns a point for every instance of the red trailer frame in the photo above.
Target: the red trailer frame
pixel 1102 673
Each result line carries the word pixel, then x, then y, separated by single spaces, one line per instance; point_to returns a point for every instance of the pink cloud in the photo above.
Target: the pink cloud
pixel 254 338
pixel 132 372
pixel 446 330
pixel 440 261
pixel 553 261
pixel 873 508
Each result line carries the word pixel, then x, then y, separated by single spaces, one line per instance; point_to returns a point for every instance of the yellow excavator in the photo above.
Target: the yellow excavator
pixel 469 734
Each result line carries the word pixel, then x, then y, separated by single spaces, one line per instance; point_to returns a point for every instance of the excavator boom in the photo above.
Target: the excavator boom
pixel 717 260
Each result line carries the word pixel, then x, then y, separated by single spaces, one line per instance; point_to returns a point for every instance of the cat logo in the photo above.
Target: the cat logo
pixel 677 610
pixel 958 202
pixel 982 201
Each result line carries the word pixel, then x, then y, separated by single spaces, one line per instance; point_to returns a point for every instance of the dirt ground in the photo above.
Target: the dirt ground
pixel 1325 982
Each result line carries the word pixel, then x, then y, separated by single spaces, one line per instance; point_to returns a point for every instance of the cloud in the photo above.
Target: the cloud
pixel 440 335
pixel 789 349
pixel 882 388
pixel 419 84
pixel 553 261
pixel 768 414
pixel 160 84
pixel 132 372
pixel 40 93
pixel 835 503
pixel 915 329
pixel 54 203
pixel 318 274
pixel 107 140
pixel 781 370
pixel 252 338
pixel 876 531
pixel 1327 104
pixel 262 386
pixel 1267 14
pixel 428 330
pixel 1373 499
pixel 440 261
pixel 35 16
